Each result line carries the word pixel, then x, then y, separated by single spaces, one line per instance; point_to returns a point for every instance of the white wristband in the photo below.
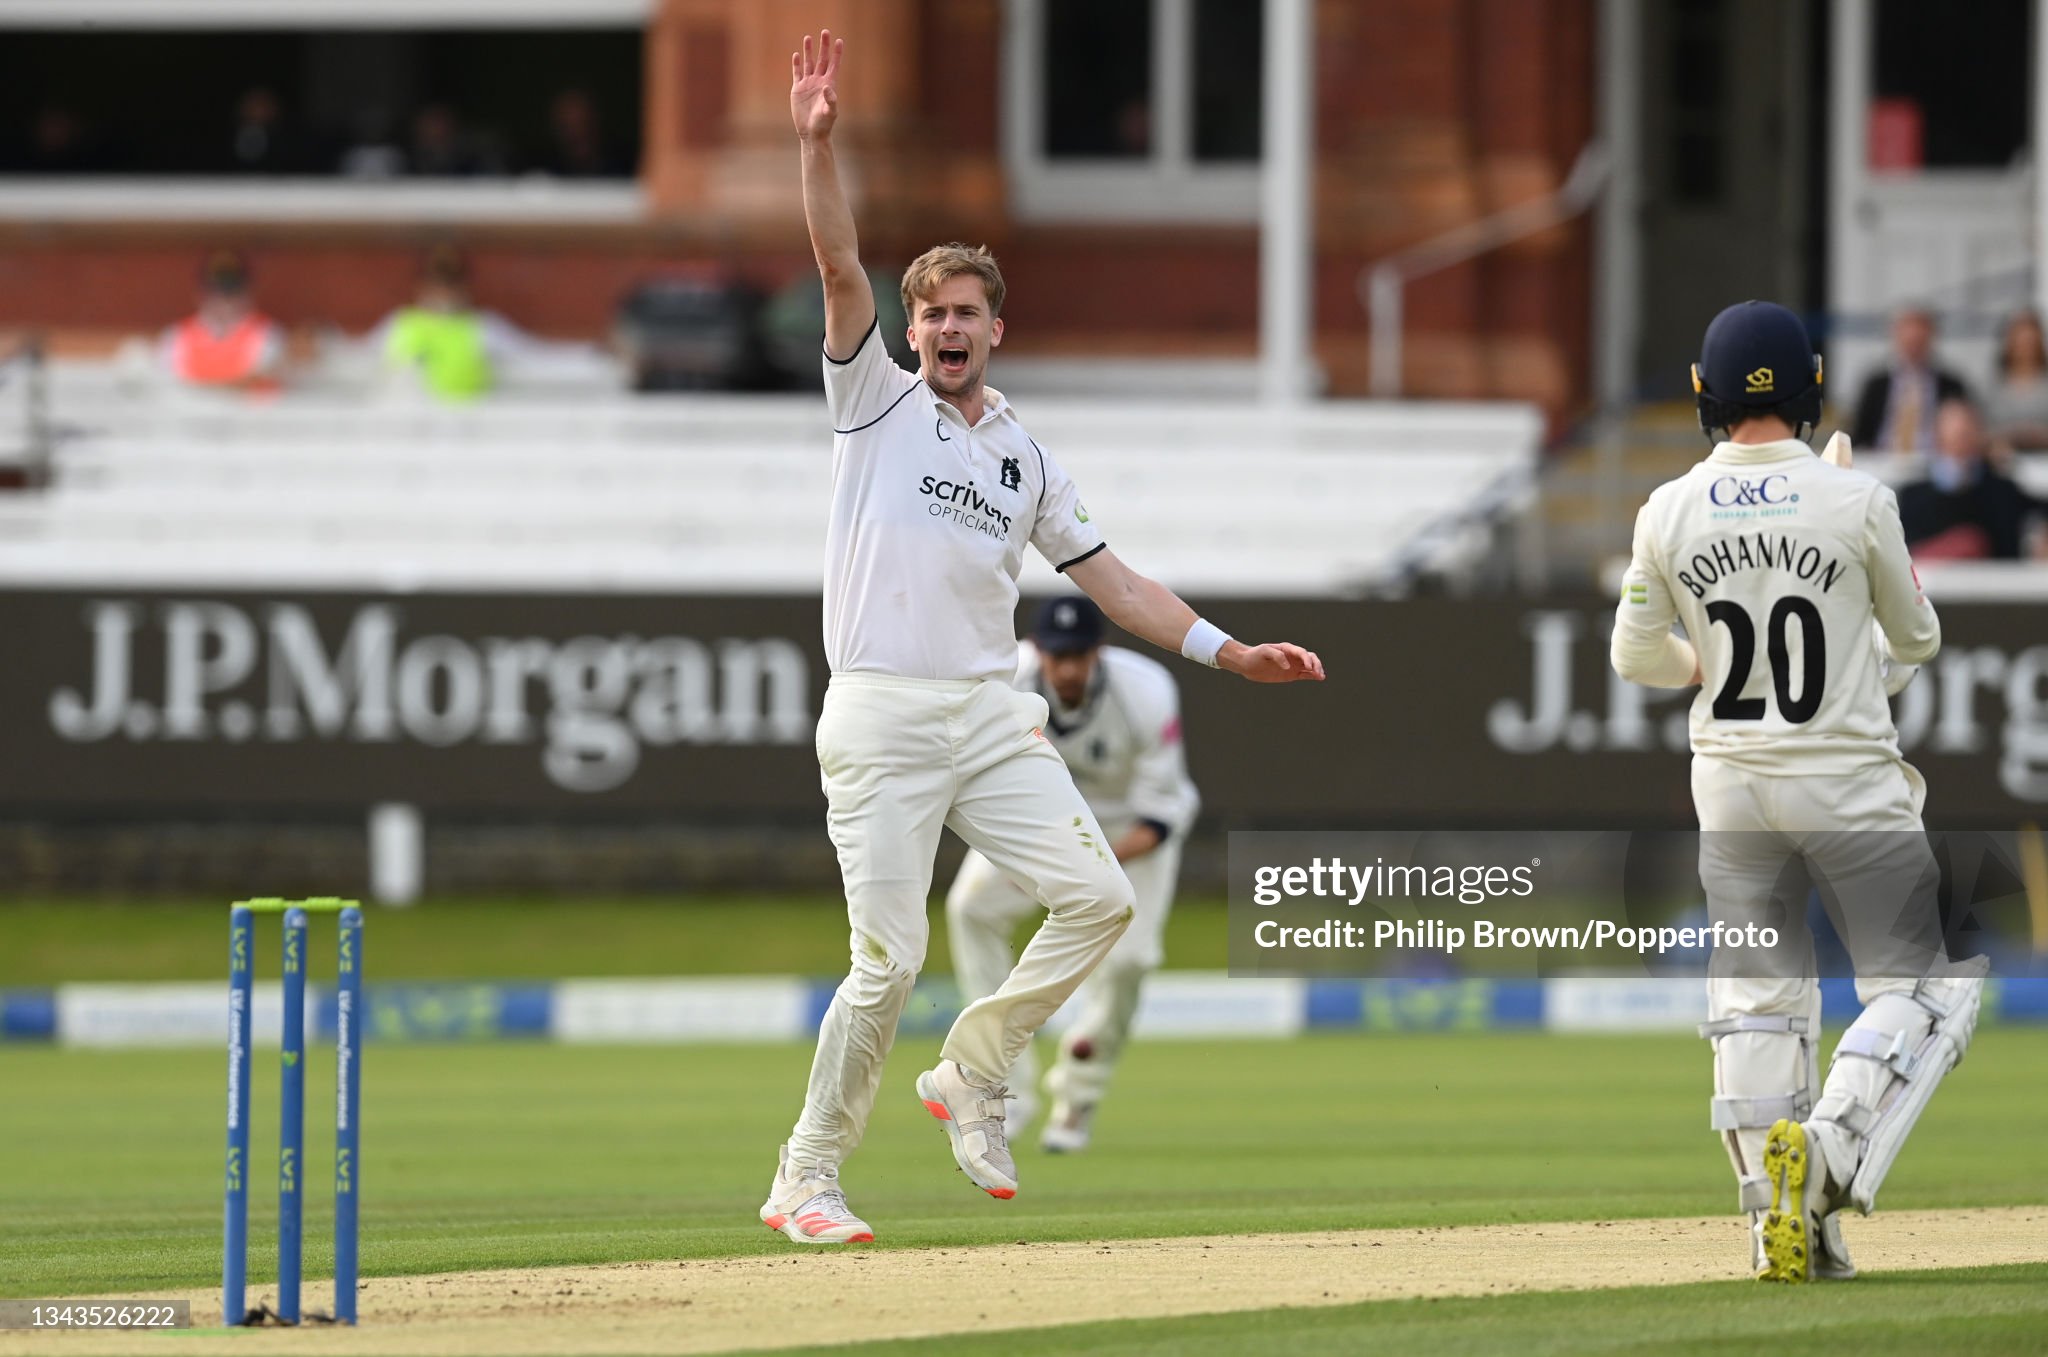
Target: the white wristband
pixel 1203 641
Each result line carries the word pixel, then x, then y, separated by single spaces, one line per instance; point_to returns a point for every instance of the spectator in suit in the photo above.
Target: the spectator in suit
pixel 1965 509
pixel 1897 408
pixel 2016 407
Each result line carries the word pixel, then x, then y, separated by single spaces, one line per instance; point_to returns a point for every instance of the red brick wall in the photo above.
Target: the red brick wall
pixel 1429 112
pixel 98 285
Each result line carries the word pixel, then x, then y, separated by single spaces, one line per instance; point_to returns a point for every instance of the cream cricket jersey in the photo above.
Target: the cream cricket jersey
pixel 929 521
pixel 1776 562
pixel 1123 744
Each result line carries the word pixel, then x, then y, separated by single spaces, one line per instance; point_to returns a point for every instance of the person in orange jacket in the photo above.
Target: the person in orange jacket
pixel 227 342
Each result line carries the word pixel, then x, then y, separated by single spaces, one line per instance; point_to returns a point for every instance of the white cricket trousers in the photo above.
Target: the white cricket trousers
pixel 1861 833
pixel 902 758
pixel 983 910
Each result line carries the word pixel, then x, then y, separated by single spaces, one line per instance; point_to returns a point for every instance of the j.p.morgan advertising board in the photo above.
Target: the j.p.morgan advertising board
pixel 1436 712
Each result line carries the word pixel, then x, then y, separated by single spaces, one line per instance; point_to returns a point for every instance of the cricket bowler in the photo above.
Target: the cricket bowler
pixel 1777 562
pixel 936 487
pixel 1115 720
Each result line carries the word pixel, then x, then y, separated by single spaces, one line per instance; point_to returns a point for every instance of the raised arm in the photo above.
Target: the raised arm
pixel 1148 609
pixel 814 105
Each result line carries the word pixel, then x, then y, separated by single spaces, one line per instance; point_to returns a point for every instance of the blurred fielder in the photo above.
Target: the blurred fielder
pixel 1777 562
pixel 1115 719
pixel 935 490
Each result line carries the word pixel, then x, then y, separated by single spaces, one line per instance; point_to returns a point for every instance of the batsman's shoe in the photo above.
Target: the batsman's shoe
pixel 1831 1261
pixel 972 1109
pixel 806 1205
pixel 1068 1129
pixel 1791 1228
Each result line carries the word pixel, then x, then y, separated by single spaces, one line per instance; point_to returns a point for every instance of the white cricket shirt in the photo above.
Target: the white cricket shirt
pixel 929 521
pixel 1123 743
pixel 1776 563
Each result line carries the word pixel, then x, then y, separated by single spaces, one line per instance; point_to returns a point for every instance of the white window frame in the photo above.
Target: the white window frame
pixel 329 199
pixel 1168 186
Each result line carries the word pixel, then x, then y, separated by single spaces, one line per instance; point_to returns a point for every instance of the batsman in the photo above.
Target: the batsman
pixel 1790 575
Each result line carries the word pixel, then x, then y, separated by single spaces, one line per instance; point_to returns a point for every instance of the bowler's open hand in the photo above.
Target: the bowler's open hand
pixel 814 85
pixel 1278 662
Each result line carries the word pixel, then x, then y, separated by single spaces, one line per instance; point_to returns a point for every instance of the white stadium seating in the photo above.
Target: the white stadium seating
pixel 607 491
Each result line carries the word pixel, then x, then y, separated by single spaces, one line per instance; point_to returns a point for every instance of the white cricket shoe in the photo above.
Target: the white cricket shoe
pixel 972 1109
pixel 806 1205
pixel 1068 1128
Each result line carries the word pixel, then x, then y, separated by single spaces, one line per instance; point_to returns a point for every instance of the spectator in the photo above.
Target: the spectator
pixel 1964 509
pixel 226 343
pixel 454 349
pixel 260 142
pixel 1897 407
pixel 2017 406
pixel 577 147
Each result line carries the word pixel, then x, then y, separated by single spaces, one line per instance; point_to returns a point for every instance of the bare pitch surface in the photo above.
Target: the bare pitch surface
pixel 798 1299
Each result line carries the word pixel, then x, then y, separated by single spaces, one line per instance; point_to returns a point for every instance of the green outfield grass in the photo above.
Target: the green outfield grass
pixel 1982 1311
pixel 512 1155
pixel 47 942
pixel 508 1155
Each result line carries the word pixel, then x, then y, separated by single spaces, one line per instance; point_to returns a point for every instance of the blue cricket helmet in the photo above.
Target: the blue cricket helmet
pixel 1756 359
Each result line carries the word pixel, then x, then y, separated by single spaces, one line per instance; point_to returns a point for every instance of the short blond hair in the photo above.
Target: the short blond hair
pixel 941 262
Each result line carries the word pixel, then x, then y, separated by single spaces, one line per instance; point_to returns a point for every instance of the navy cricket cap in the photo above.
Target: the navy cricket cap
pixel 1067 626
pixel 1756 357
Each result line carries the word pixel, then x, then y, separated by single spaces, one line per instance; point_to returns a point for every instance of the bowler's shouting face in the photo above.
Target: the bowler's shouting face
pixel 952 331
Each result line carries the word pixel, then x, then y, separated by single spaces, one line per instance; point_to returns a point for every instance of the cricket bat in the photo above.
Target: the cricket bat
pixel 1837 452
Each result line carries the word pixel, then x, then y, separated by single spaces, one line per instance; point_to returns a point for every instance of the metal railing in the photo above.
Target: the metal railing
pixel 1381 284
pixel 23 369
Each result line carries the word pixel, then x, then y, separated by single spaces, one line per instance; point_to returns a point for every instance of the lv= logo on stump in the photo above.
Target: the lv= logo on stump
pixel 292 1109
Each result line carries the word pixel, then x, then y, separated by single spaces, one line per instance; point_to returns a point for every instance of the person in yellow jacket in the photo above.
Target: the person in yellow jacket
pixel 456 350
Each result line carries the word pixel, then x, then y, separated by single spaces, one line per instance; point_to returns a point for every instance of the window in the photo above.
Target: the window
pixel 1134 109
pixel 1699 102
pixel 361 103
pixel 1095 101
pixel 1229 70
pixel 1957 75
pixel 321 110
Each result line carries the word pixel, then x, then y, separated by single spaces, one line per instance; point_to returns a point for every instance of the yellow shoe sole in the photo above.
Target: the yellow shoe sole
pixel 1788 1253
